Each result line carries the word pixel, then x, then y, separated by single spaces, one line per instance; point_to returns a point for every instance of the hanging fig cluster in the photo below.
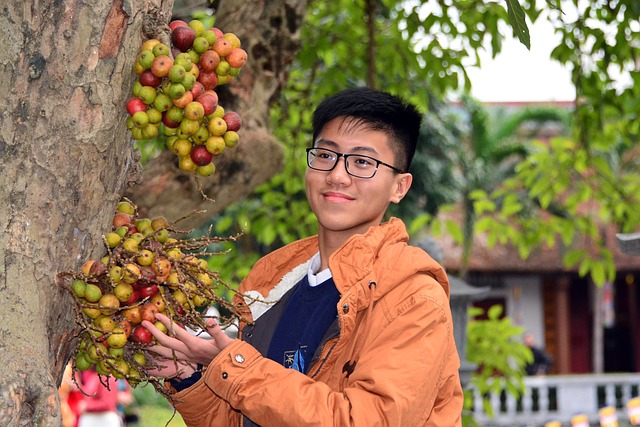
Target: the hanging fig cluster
pixel 144 271
pixel 175 93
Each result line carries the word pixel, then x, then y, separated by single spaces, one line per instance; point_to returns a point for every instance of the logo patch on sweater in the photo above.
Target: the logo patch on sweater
pixel 294 359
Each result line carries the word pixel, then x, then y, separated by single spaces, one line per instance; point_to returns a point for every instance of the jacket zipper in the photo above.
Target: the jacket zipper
pixel 321 363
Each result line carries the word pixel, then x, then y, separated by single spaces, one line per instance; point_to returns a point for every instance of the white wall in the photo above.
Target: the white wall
pixel 525 304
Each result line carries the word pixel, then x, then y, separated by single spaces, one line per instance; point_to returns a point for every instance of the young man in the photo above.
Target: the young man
pixel 349 327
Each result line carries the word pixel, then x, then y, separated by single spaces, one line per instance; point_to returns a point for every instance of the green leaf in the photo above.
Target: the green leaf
pixel 524 251
pixel 485 224
pixel 573 257
pixel 478 194
pixel 567 233
pixel 555 4
pixel 517 20
pixel 585 266
pixel 224 224
pixel 598 273
pixel 436 227
pixel 495 311
pixel 455 231
pixel 475 312
pixel 418 224
pixel 267 235
pixel 511 206
pixel 484 205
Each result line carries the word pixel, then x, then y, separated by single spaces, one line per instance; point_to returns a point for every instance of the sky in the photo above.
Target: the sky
pixel 518 74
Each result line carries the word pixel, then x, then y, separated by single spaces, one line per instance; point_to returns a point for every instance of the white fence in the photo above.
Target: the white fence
pixel 559 397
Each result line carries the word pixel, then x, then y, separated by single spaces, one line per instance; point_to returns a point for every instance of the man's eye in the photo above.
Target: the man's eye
pixel 363 162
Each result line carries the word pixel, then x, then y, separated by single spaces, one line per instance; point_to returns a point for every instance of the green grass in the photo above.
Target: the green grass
pixel 158 416
pixel 154 410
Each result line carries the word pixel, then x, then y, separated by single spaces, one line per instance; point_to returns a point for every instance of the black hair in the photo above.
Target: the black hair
pixel 379 111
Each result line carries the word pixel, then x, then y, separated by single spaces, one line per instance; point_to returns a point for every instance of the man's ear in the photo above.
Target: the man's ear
pixel 401 187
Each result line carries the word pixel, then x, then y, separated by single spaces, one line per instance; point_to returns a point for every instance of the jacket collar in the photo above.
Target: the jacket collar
pixel 381 255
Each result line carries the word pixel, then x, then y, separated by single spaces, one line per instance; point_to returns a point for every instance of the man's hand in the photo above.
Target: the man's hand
pixel 169 368
pixel 187 347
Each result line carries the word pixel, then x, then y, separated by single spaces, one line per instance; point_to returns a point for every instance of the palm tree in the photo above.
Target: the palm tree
pixel 488 152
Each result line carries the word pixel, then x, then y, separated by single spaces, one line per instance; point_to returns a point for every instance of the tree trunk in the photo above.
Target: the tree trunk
pixel 597 348
pixel 67 158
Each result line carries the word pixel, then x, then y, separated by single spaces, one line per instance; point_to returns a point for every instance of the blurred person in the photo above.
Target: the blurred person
pixel 542 360
pixel 99 406
pixel 125 402
pixel 70 395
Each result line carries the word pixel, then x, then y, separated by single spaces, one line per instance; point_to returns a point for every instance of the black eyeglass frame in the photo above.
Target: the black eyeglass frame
pixel 346 164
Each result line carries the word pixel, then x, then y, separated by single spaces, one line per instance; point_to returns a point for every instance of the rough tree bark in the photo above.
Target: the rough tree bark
pixel 67 158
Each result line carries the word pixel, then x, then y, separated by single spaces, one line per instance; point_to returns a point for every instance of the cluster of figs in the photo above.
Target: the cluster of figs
pixel 144 271
pixel 175 93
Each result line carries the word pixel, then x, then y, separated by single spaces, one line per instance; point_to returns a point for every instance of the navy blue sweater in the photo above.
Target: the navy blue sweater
pixel 308 314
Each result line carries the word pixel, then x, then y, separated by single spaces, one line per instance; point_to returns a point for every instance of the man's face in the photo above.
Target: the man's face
pixel 345 204
pixel 528 340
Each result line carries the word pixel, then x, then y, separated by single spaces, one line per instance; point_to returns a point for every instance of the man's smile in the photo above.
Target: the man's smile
pixel 334 196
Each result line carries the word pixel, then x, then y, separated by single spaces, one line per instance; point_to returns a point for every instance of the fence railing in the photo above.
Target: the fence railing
pixel 560 397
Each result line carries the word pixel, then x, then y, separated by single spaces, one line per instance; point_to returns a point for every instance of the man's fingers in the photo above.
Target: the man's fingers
pixel 165 340
pixel 167 353
pixel 221 339
pixel 167 362
pixel 173 328
pixel 169 368
pixel 215 331
pixel 165 321
pixel 193 348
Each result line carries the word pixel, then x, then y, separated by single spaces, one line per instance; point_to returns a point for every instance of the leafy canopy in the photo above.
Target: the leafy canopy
pixel 587 183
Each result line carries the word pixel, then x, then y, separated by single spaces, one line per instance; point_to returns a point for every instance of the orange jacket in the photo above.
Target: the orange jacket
pixel 394 362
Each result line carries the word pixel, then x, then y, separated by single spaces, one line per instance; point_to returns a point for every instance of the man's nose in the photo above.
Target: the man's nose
pixel 339 172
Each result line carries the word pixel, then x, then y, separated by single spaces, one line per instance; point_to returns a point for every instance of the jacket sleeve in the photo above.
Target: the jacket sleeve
pixel 406 374
pixel 200 407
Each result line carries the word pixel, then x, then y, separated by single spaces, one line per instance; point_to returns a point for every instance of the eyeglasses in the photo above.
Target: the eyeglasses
pixel 356 165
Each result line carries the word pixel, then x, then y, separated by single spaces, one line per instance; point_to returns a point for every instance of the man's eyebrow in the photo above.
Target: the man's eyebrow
pixel 327 143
